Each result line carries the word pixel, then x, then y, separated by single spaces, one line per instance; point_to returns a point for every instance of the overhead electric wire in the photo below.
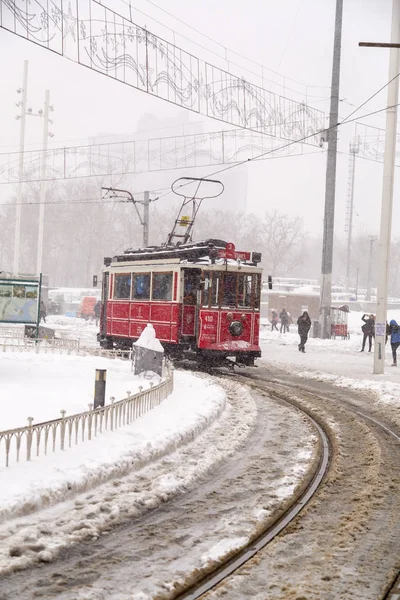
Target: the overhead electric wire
pixel 346 121
pixel 289 34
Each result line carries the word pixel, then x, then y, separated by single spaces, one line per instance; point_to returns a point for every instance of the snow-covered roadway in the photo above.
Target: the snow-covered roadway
pixel 337 549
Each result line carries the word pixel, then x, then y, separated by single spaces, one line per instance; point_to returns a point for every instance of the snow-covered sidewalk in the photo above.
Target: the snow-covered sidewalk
pixel 338 361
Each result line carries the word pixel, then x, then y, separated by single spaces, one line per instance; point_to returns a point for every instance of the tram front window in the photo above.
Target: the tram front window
pixel 229 289
pixel 244 290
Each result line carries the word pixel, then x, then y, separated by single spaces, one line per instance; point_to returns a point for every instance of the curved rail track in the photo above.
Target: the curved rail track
pixel 343 544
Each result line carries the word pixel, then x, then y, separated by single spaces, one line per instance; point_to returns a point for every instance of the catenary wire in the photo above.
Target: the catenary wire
pixel 345 121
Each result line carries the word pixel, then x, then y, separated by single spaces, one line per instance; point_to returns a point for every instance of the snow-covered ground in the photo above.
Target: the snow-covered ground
pixel 66 382
pixel 338 361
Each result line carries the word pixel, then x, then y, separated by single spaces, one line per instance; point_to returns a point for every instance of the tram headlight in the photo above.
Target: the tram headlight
pixel 236 328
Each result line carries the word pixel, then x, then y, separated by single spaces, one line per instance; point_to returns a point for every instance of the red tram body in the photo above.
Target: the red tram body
pixel 203 300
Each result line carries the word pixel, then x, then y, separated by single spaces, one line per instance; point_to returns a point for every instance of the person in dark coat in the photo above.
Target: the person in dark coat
pixel 368 330
pixel 42 311
pixel 274 320
pixel 304 324
pixel 284 317
pixel 394 340
pixel 96 310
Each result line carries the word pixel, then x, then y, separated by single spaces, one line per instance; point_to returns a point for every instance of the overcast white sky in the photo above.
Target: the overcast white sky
pixel 292 36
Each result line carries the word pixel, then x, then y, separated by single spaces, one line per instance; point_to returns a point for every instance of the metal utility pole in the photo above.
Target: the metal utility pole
pixel 372 239
pixel 146 217
pixel 354 148
pixel 387 188
pixel 17 235
pixel 145 221
pixel 330 185
pixel 43 182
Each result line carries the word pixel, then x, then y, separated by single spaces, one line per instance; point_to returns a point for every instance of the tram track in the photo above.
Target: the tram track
pixel 390 588
pixel 349 530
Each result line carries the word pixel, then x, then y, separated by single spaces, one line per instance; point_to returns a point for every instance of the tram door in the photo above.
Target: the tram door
pixel 190 313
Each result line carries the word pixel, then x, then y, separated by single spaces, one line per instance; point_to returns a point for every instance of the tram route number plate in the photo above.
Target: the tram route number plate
pixel 380 329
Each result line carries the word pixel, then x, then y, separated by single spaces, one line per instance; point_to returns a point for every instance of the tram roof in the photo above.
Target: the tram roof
pixel 191 252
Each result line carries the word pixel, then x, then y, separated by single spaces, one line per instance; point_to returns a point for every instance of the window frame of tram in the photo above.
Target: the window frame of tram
pixel 141 286
pixel 122 286
pixel 166 297
pixel 215 294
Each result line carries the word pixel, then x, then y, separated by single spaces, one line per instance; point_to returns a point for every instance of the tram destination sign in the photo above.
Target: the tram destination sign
pixel 231 252
pixel 19 301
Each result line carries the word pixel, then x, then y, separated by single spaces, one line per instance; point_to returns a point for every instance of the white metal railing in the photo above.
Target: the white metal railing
pixel 58 346
pixel 35 440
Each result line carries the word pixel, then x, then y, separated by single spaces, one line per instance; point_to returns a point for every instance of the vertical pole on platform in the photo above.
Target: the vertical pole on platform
pixel 387 194
pixel 330 184
pixel 17 235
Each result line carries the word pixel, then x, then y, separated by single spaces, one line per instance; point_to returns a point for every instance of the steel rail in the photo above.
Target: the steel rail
pixel 228 567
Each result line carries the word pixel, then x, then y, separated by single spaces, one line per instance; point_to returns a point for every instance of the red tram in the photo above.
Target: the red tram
pixel 202 298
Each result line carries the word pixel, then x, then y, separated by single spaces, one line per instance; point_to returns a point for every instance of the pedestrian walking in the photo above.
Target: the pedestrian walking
pixel 274 320
pixel 96 310
pixel 368 330
pixel 394 340
pixel 303 324
pixel 42 312
pixel 284 320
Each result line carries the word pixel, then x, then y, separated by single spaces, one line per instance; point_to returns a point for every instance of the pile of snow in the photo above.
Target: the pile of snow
pixel 147 339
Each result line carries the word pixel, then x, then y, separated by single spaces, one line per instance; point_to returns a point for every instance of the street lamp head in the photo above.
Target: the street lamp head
pixel 51 134
pixel 19 91
pixel 18 117
pixel 40 111
pixel 51 107
pixel 29 110
pixel 18 103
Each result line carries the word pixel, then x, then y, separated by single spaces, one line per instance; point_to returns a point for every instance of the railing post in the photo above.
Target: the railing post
pixel 29 439
pixel 112 413
pixel 90 418
pixel 63 412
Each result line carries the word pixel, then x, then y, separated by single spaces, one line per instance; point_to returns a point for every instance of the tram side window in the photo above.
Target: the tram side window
pixel 122 286
pixel 162 286
pixel 141 286
pixel 256 290
pixel 244 290
pixel 229 289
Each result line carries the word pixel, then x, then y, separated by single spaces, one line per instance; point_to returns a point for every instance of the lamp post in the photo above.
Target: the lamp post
pixel 330 184
pixel 43 185
pixel 24 113
pixel 22 103
pixel 372 239
pixel 387 186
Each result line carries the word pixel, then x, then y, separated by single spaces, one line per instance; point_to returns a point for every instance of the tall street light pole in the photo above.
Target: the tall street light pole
pixel 17 235
pixel 43 182
pixel 387 187
pixel 350 207
pixel 330 184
